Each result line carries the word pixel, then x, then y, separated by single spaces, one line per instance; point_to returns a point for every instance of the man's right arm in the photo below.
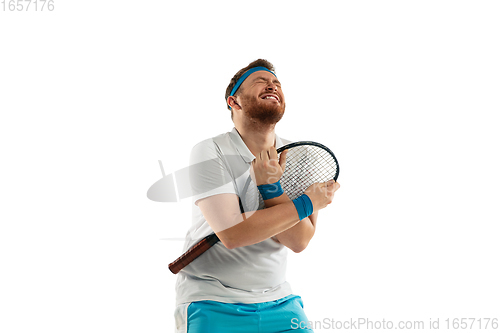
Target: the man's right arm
pixel 234 229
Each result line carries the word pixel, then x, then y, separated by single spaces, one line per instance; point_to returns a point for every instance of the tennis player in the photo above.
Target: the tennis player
pixel 239 285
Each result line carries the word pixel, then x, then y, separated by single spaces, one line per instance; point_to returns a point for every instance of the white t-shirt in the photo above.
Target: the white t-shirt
pixel 249 274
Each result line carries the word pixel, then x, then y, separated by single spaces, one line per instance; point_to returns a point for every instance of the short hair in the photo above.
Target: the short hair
pixel 236 77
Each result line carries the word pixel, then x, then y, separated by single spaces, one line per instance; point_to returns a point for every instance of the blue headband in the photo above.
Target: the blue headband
pixel 244 77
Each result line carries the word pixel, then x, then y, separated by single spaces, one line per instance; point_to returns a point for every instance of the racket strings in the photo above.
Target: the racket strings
pixel 306 165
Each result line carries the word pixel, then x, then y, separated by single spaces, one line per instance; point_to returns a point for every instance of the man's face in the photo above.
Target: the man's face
pixel 261 98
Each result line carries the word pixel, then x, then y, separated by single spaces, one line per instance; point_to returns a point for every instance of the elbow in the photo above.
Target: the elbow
pixel 229 242
pixel 233 238
pixel 229 245
pixel 299 247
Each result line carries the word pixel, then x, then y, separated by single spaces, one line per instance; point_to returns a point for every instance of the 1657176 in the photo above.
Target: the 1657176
pixel 27 5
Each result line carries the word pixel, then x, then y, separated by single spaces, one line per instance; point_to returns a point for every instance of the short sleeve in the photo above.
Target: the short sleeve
pixel 208 173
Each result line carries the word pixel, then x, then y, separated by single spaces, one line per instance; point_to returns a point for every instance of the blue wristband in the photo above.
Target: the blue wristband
pixel 269 191
pixel 304 206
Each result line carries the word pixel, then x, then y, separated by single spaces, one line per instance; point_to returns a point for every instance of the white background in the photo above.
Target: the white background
pixel 94 93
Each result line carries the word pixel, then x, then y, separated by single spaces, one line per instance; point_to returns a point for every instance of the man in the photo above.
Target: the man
pixel 239 284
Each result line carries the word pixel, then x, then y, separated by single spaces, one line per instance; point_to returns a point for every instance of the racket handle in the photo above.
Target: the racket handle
pixel 194 252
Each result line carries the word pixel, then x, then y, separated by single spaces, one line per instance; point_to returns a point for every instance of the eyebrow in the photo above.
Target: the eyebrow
pixel 264 79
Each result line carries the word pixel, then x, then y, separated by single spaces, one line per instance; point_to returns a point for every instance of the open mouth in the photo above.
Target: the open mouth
pixel 270 96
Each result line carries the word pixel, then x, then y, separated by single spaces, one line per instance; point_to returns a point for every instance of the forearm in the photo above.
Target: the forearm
pixel 260 225
pixel 296 238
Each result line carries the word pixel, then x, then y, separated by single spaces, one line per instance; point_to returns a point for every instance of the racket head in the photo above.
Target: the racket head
pixel 307 162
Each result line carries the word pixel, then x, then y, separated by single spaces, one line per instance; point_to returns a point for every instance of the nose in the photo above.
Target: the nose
pixel 272 87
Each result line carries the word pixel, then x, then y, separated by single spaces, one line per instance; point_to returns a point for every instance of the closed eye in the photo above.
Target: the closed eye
pixel 264 80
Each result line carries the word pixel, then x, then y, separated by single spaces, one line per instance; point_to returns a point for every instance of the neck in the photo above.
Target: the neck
pixel 257 137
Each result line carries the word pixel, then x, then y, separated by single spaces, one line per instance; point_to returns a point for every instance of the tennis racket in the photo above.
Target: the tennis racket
pixel 307 162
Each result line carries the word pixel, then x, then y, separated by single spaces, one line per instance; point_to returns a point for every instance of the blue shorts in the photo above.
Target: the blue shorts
pixel 269 317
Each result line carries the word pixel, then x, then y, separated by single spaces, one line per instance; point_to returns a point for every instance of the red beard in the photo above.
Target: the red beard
pixel 260 111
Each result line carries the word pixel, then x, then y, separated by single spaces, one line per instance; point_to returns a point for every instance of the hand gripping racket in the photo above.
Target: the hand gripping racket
pixel 307 163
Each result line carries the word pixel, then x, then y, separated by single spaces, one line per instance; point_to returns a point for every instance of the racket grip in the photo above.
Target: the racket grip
pixel 194 252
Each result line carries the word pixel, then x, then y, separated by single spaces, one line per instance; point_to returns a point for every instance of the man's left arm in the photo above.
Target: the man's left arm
pixel 268 169
pixel 297 237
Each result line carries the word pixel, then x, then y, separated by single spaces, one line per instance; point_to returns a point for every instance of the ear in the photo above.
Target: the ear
pixel 231 101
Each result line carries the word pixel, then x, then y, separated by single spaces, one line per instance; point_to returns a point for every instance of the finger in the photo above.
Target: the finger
pixel 273 154
pixel 329 183
pixel 325 184
pixel 273 159
pixel 333 187
pixel 265 155
pixel 283 159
